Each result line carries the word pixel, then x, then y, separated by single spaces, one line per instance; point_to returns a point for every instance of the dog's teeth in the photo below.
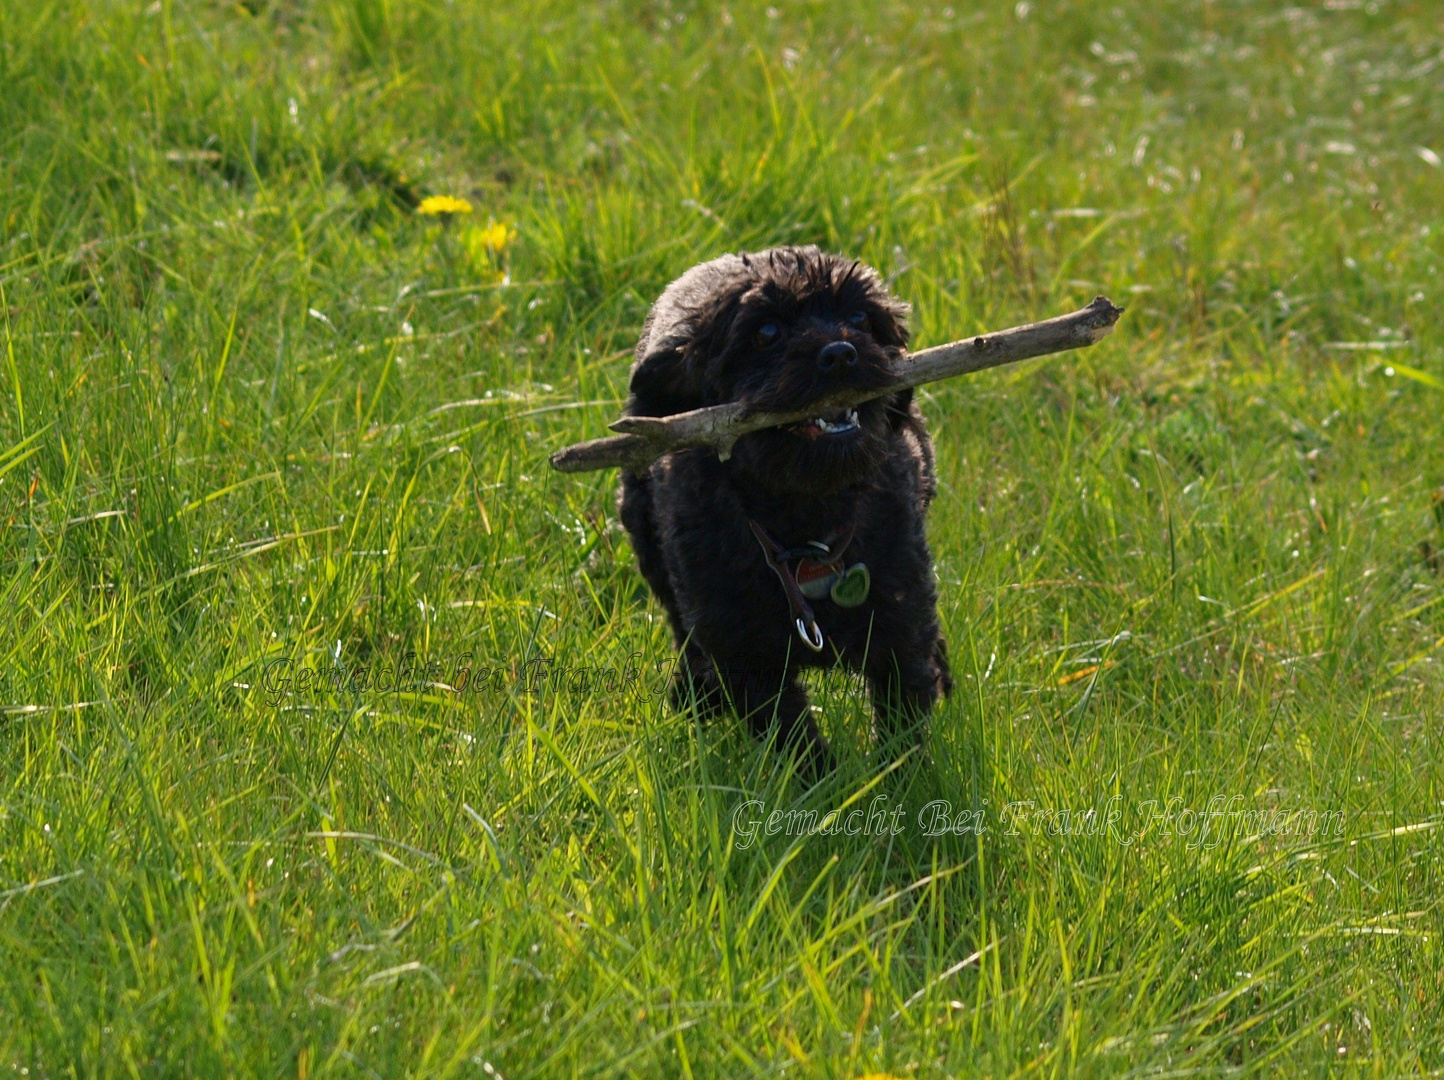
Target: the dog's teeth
pixel 833 427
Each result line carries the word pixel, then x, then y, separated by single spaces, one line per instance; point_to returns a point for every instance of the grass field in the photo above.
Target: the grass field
pixel 258 415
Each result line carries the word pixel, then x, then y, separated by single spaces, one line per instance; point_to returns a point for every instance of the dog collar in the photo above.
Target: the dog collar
pixel 819 572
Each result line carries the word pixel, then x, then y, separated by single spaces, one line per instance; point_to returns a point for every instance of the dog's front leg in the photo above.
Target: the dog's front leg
pixel 773 700
pixel 695 684
pixel 904 691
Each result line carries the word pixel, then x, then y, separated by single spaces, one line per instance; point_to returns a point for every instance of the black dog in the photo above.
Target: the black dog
pixel 806 547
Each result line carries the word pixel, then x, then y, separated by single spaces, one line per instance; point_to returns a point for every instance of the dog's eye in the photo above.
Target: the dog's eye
pixel 858 320
pixel 767 334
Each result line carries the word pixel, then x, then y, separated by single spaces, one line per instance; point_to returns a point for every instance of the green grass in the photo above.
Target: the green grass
pixel 253 407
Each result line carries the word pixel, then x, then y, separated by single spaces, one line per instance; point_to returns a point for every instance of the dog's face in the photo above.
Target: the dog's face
pixel 779 330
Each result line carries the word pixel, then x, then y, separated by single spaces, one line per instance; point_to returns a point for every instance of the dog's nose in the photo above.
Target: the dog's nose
pixel 836 353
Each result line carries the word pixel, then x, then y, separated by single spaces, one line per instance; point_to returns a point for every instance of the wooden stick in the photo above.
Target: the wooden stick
pixel 646 438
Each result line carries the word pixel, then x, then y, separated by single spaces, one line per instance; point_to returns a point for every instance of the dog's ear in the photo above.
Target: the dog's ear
pixel 686 331
pixel 664 381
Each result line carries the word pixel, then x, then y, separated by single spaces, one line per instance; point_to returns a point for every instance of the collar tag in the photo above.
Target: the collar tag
pixel 852 586
pixel 818 588
pixel 815 579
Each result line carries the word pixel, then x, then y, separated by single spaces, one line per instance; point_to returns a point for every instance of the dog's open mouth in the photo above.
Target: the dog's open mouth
pixel 837 422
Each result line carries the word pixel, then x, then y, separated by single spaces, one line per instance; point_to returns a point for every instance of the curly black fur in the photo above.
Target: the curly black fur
pixel 752 328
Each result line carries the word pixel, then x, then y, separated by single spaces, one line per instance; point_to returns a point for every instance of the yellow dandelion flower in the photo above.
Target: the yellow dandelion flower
pixel 443 204
pixel 493 238
pixel 484 244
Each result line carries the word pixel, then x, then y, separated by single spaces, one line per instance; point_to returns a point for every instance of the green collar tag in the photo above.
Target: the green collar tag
pixel 852 586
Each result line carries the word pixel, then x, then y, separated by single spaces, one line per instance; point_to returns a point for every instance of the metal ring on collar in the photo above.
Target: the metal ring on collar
pixel 813 640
